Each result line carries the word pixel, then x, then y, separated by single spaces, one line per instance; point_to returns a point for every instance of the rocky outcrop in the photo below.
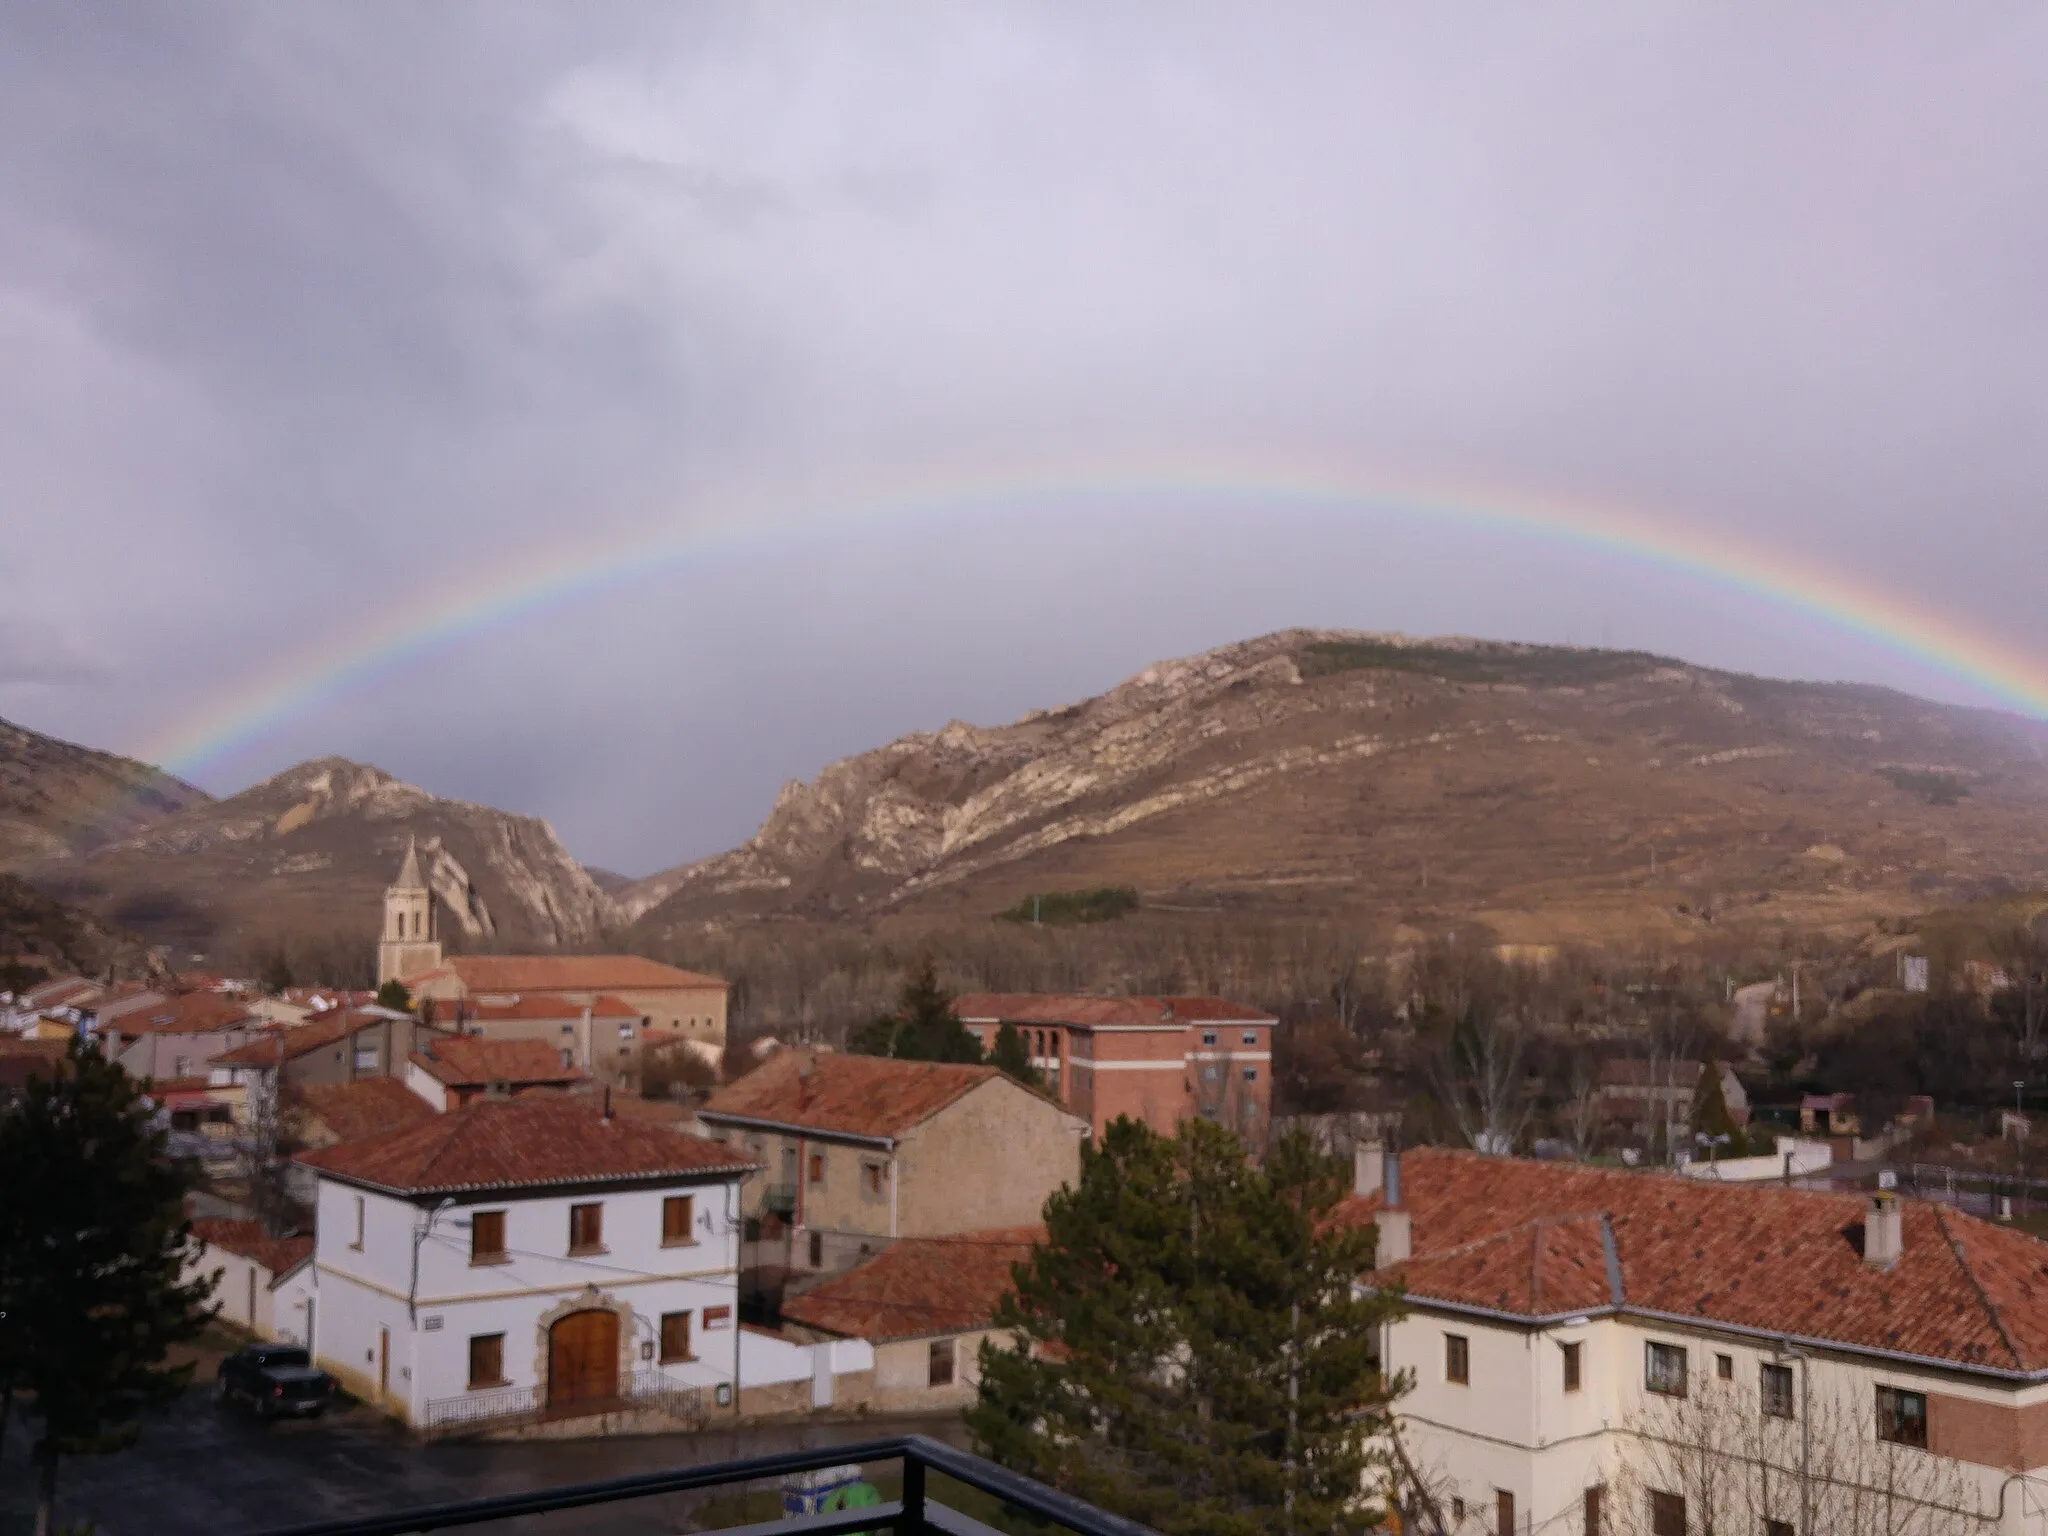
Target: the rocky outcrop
pixel 1345 760
pixel 310 851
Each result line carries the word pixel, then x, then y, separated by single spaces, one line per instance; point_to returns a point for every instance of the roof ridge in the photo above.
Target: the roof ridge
pixel 1984 1300
pixel 1533 1224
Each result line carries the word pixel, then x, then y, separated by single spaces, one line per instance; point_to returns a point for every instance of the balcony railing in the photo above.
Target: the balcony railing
pixel 779 1198
pixel 503 1407
pixel 915 1513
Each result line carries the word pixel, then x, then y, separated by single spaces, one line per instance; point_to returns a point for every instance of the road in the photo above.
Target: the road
pixel 203 1471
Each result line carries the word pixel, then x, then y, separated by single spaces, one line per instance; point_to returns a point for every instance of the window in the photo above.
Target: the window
pixel 678 1217
pixel 1777 1391
pixel 487 1237
pixel 586 1228
pixel 1667 1514
pixel 568 1057
pixel 675 1337
pixel 1902 1417
pixel 358 1243
pixel 817 1250
pixel 1457 1359
pixel 1251 1074
pixel 1779 1528
pixel 1211 1073
pixel 1571 1367
pixel 1208 1037
pixel 1596 1511
pixel 1504 1512
pixel 817 1167
pixel 1724 1367
pixel 1457 1511
pixel 486 1360
pixel 1664 1370
pixel 625 1031
pixel 366 1058
pixel 874 1178
pixel 568 1029
pixel 940 1363
pixel 716 1318
pixel 1251 1037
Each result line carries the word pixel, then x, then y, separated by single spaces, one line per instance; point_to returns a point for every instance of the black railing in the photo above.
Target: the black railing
pixel 915 1513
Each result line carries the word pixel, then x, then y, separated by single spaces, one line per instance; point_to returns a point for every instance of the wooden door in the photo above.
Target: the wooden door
pixel 383 1361
pixel 583 1359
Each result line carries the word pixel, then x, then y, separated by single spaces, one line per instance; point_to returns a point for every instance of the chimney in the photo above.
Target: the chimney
pixel 1368 1167
pixel 1884 1234
pixel 1395 1232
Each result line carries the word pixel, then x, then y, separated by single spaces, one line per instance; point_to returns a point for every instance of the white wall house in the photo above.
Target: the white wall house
pixel 1591 1350
pixel 527 1256
pixel 263 1285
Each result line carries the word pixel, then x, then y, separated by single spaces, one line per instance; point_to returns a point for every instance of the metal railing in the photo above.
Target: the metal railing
pixel 502 1407
pixel 779 1198
pixel 915 1513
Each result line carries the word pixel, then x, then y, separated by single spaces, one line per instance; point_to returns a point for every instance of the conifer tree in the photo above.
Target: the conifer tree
pixel 93 1244
pixel 1195 1352
pixel 1012 1055
pixel 1710 1112
pixel 923 1027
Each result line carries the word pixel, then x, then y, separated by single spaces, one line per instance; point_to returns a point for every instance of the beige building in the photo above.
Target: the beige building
pixel 636 994
pixel 862 1150
pixel 604 1033
pixel 408 942
pixel 925 1305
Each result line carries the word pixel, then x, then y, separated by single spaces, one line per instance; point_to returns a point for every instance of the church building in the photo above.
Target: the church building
pixel 410 944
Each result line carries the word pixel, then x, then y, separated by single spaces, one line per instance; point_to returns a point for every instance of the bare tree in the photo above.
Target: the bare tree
pixel 2022 953
pixel 1579 1115
pixel 1481 1079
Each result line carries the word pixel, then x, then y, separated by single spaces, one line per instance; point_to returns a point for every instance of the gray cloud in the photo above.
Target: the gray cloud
pixel 308 316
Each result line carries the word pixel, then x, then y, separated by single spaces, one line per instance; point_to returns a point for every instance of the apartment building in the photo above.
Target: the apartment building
pixel 1160 1060
pixel 1602 1351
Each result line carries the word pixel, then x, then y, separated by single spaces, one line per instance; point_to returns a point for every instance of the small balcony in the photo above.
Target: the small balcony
pixel 922 1474
pixel 779 1198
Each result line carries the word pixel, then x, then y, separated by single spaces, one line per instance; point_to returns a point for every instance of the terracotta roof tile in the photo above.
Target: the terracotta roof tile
pixel 1486 1231
pixel 288 1042
pixel 535 1140
pixel 1084 1011
pixel 247 1239
pixel 525 1006
pixel 373 1106
pixel 918 1286
pixel 189 1013
pixel 872 1096
pixel 469 1061
pixel 564 973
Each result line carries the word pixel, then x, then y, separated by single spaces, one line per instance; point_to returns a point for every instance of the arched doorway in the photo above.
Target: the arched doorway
pixel 583 1359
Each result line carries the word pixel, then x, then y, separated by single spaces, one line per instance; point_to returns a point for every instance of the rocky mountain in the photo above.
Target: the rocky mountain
pixel 1548 793
pixel 57 799
pixel 309 852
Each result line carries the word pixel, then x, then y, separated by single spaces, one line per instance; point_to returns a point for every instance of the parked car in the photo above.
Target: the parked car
pixel 274 1379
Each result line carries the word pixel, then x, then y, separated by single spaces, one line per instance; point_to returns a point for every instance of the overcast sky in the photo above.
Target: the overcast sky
pixel 310 314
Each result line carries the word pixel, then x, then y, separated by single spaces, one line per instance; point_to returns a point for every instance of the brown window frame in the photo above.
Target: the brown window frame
pixel 1654 1352
pixel 587 1214
pixel 817 1168
pixel 946 1350
pixel 487 1238
pixel 874 1180
pixel 492 1348
pixel 1596 1510
pixel 1667 1513
pixel 1724 1367
pixel 1458 1359
pixel 1896 1428
pixel 673 1323
pixel 678 1221
pixel 1773 1402
pixel 816 1255
pixel 1503 1512
pixel 1573 1366
pixel 358 1243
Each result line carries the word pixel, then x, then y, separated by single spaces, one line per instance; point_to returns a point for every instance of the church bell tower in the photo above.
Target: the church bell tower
pixel 409 944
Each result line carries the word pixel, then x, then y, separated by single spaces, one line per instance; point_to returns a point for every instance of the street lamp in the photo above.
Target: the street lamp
pixel 1711 1142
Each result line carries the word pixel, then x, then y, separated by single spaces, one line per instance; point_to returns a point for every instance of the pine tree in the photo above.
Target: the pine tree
pixel 1194 1352
pixel 393 994
pixel 1710 1113
pixel 93 1243
pixel 1012 1055
pixel 923 1027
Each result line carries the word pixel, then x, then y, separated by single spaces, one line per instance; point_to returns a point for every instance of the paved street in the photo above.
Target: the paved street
pixel 205 1472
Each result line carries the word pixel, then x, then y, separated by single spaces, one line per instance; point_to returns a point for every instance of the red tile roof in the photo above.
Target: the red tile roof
pixel 247 1239
pixel 1086 1012
pixel 918 1287
pixel 871 1096
pixel 288 1042
pixel 532 1141
pixel 1533 1240
pixel 545 1006
pixel 467 1061
pixel 563 973
pixel 372 1106
pixel 189 1013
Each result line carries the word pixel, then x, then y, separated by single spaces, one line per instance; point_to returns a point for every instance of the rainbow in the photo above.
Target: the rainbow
pixel 538 579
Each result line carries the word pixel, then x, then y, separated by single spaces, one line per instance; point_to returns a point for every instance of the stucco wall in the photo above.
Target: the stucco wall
pixel 989 1159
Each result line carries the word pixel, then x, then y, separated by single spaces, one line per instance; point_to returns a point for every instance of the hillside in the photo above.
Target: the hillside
pixel 308 854
pixel 1551 794
pixel 57 799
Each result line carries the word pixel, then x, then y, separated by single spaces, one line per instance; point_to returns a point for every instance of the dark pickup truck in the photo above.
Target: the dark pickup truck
pixel 273 1380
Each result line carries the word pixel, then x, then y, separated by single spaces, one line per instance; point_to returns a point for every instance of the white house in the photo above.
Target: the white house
pixel 1594 1350
pixel 263 1285
pixel 528 1256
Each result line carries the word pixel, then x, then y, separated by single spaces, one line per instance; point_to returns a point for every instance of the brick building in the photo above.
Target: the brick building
pixel 1155 1059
